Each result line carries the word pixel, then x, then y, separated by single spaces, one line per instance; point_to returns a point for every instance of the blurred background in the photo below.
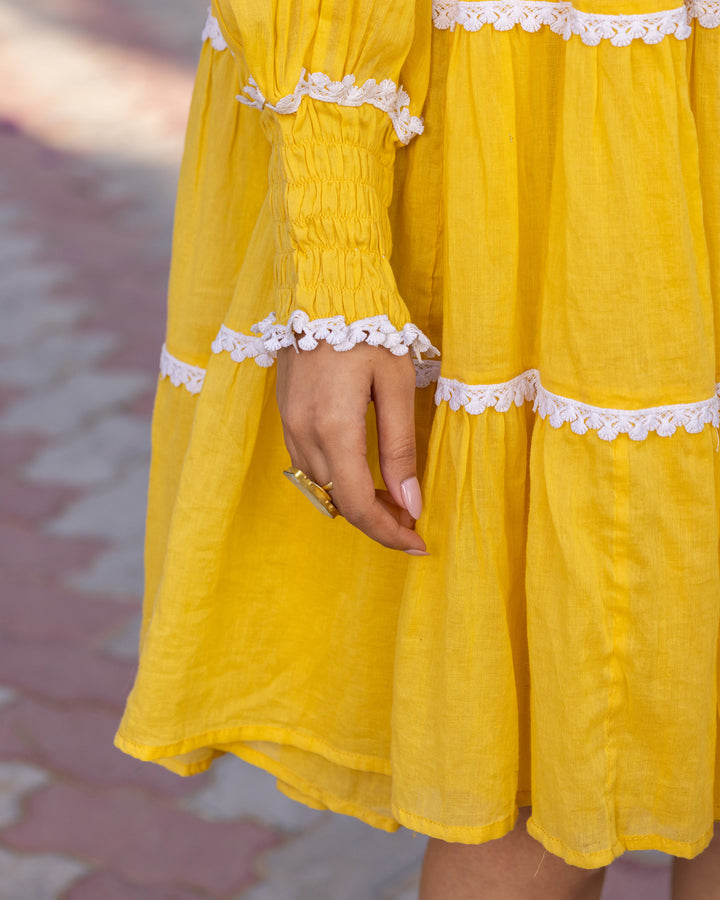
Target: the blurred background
pixel 93 102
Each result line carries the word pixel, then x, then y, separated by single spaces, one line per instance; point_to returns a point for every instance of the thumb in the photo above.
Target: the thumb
pixel 394 398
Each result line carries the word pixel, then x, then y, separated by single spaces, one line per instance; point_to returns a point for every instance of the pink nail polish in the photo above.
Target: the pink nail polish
pixel 412 497
pixel 416 552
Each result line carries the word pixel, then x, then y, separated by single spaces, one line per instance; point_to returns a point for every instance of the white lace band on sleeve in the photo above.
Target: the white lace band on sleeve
pixel 181 374
pixel 212 33
pixel 192 378
pixel 565 19
pixel 476 399
pixel 384 95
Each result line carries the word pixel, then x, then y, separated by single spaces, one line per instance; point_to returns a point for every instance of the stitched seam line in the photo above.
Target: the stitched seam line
pixel 415 815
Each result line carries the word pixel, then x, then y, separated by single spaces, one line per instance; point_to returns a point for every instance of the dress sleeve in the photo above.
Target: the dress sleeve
pixel 326 75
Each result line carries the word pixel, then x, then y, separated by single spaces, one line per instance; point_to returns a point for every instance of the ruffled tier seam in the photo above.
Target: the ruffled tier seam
pixel 566 20
pixel 607 422
pixel 561 17
pixel 475 399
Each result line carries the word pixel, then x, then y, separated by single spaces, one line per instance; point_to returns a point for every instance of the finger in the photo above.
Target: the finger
pixel 398 512
pixel 307 456
pixel 317 465
pixel 298 459
pixel 355 496
pixel 394 399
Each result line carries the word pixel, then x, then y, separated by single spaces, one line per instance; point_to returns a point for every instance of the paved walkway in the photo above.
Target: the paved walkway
pixel 92 112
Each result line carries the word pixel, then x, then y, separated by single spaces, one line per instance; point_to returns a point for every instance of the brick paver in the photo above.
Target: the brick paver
pixel 141 835
pixel 92 112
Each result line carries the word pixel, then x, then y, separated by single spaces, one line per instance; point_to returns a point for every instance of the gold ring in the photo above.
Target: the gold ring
pixel 317 494
pixel 327 487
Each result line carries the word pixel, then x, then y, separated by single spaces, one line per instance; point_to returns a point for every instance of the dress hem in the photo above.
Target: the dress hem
pixel 600 858
pixel 215 742
pixel 302 791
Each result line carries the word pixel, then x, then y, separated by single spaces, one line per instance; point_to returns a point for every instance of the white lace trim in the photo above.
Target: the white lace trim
pixel 212 33
pixel 180 373
pixel 707 12
pixel 608 423
pixel 192 378
pixel 304 333
pixel 385 96
pixel 477 398
pixel 427 371
pixel 563 18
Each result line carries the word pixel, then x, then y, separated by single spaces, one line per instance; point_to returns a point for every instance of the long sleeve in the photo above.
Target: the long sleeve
pixel 326 75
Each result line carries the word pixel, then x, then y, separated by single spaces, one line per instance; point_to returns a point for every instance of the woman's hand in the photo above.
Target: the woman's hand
pixel 323 396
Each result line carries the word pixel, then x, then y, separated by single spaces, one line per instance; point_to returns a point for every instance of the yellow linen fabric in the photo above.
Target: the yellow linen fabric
pixel 560 213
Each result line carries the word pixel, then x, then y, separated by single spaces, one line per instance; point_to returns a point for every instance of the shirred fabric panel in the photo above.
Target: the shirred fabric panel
pixel 331 180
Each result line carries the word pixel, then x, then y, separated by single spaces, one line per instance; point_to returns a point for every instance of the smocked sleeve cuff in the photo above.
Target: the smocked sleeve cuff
pixel 331 180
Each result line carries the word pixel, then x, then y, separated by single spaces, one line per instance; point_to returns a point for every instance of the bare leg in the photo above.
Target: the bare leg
pixel 513 867
pixel 698 878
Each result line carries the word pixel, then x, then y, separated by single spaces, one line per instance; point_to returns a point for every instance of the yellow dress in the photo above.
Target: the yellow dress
pixel 531 188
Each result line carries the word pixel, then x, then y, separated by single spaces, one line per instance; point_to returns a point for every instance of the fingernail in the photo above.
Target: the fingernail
pixel 412 497
pixel 416 552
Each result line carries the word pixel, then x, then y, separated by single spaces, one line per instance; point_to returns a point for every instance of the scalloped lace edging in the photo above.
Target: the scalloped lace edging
pixel 384 95
pixel 608 423
pixel 212 33
pixel 304 333
pixel 564 19
pixel 427 372
pixel 181 374
pixel 192 378
pixel 477 398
